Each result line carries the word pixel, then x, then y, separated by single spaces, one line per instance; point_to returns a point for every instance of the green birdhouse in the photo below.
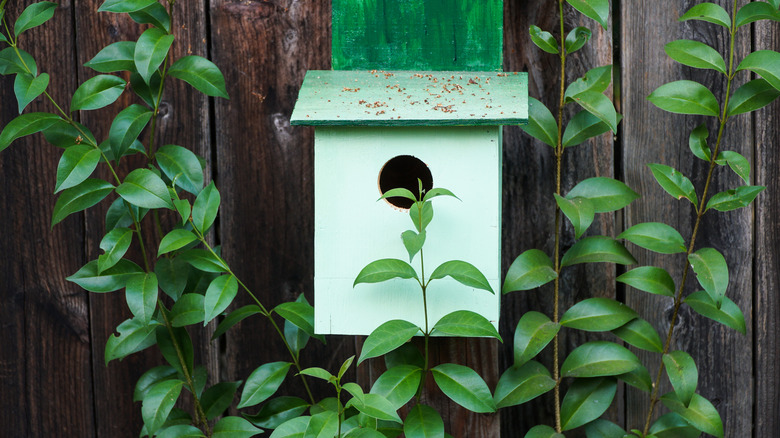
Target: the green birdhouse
pixel 418 96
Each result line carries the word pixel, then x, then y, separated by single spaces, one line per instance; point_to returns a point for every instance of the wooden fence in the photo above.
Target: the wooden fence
pixel 53 378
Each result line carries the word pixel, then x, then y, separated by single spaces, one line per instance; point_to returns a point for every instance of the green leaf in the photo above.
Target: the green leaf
pixel 638 378
pixel 176 239
pixel 464 386
pixel 413 242
pixel 124 5
pixel 674 182
pixel 319 373
pixel 399 193
pixel 738 163
pixel 80 197
pixel 134 336
pixel 735 198
pixel 126 128
pixel 695 54
pixel 711 271
pixel 597 249
pixel 577 38
pixel 205 208
pixel 387 337
pixel 640 334
pixel 685 97
pixel 234 318
pixel 217 399
pixel 531 269
pixel 154 14
pixel 141 295
pixel 602 428
pixel 299 313
pixel 655 236
pixel 26 124
pixel 534 331
pixel 263 383
pixel 376 406
pixel 76 165
pixel 599 358
pixel 683 375
pixel 606 194
pixel 709 12
pixel 201 73
pixel 755 11
pixel 158 403
pixel 147 92
pixel 728 314
pixel 180 431
pixel 114 57
pixel 522 383
pixel 765 63
pixel 596 79
pixel 541 123
pixel 323 425
pixel 600 106
pixel 543 431
pixel 219 295
pixel 649 279
pixel 581 127
pixel 672 425
pixel 277 411
pixel 292 428
pixel 466 323
pixel 97 92
pixel 383 270
pixel 436 192
pixel 150 51
pixel 63 134
pixel 398 384
pixel 234 427
pixel 597 315
pixel 187 310
pixel 751 96
pixel 406 354
pixel 700 413
pixel 149 378
pixel 183 165
pixel 144 188
pixel 586 400
pixel 27 88
pixel 11 64
pixel 172 276
pixel 34 15
pixel 423 421
pixel 172 353
pixel 578 210
pixel 184 209
pixel 596 9
pixel 115 244
pixel 203 260
pixel 296 338
pixel 463 272
pixel 543 39
pixel 698 143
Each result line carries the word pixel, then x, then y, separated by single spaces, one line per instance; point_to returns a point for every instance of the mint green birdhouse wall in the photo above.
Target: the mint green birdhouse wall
pixel 385 122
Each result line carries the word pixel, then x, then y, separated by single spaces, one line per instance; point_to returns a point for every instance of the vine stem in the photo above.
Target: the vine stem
pixel 424 286
pixel 699 214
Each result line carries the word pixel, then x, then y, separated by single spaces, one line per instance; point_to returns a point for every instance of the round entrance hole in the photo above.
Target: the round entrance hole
pixel 403 171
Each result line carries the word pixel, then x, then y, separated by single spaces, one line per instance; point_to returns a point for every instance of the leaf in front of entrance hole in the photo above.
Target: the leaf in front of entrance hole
pixel 413 242
pixel 383 270
pixel 398 192
pixel 421 214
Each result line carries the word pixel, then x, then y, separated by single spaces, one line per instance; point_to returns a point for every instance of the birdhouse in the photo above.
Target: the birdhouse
pixel 376 130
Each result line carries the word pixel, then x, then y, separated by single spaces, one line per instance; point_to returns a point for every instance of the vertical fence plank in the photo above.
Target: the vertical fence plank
pixel 650 135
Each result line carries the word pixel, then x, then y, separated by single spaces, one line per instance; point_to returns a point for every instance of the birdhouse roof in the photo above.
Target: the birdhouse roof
pixel 411 98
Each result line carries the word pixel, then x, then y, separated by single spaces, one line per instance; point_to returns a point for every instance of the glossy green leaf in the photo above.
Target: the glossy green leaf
pixel 183 349
pixel 292 428
pixel 463 272
pixel 586 400
pixel 115 244
pixel 147 92
pixel 203 260
pixel 180 431
pixel 465 323
pixel 176 239
pixel 577 38
pixel 398 384
pixel 700 413
pixel 638 378
pixel 531 269
pixel 406 354
pixel 685 97
pixel 217 399
pixel 80 197
pixel 124 5
pixel 421 217
pixel 543 431
pixel 150 51
pixel 649 279
pixel 144 188
pixel 683 375
pixel 234 318
pixel 26 124
pixel 126 128
pixel 204 210
pixel 400 193
pixel 602 428
pixel 34 15
pixel 150 377
pixel 595 9
pixel 27 88
pixel 695 54
pixel 597 315
pixel 709 12
pixel 114 57
pixel 141 295
pixel 765 63
pixel 322 425
pixel 383 270
pixel 735 198
pixel 172 276
pixel 63 134
pixel 672 425
pixel 596 80
pixel 184 209
pixel 295 337
pixel 423 421
pixel 278 410
pixel 219 295
pixel 655 236
pixel 10 62
pixel 597 249
pixel 436 192
pixel 387 337
pixel 541 123
pixel 711 271
pixel 738 163
pixel 187 310
pixel 134 336
pixel 158 403
pixel 578 210
pixel 755 11
pixel 751 96
pixel 698 143
pixel 183 165
pixel 606 194
pixel 674 182
pixel 581 127
pixel 263 383
pixel 534 331
pixel 76 165
pixel 299 313
pixel 376 406
pixel 319 373
pixel 464 386
pixel 599 358
pixel 97 92
pixel 640 334
pixel 543 39
pixel 201 73
pixel 413 242
pixel 600 106
pixel 234 427
pixel 522 383
pixel 154 14
pixel 729 313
